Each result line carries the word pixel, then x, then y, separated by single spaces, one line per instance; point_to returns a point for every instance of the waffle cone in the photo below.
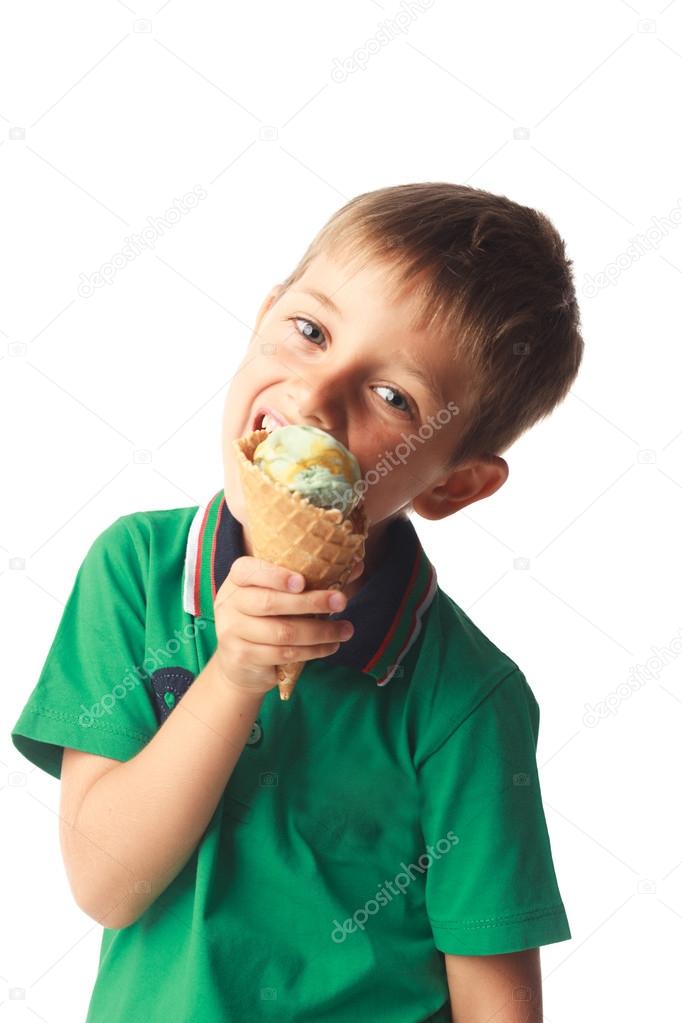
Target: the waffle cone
pixel 287 530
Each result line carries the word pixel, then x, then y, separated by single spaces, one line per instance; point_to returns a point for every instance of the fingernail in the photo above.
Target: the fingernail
pixel 295 582
pixel 337 601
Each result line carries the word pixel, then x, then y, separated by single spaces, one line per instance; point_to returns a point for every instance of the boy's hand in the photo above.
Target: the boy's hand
pixel 259 623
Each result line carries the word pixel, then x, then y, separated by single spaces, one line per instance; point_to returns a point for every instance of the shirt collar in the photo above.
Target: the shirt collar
pixel 386 613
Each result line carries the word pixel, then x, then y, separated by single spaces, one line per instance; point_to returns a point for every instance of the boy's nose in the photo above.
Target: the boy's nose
pixel 319 404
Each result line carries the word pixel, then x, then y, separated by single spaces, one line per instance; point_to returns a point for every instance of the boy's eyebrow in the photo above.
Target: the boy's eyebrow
pixel 415 367
pixel 426 375
pixel 324 300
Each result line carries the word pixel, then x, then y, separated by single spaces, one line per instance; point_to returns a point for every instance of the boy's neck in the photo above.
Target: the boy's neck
pixel 375 552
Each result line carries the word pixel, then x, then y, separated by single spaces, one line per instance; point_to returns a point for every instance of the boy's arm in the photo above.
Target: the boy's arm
pixel 140 821
pixel 496 988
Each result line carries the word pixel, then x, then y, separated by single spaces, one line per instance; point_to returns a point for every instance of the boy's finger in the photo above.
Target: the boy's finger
pixel 248 571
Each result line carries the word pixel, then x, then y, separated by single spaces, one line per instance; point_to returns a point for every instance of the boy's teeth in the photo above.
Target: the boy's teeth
pixel 269 423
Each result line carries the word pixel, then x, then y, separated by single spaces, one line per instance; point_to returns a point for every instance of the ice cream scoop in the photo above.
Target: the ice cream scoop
pixel 313 463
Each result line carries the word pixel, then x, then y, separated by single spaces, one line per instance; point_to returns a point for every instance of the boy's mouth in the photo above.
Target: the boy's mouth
pixel 268 420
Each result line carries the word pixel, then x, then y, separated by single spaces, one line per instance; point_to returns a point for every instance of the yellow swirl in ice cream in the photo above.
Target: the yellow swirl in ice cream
pixel 312 462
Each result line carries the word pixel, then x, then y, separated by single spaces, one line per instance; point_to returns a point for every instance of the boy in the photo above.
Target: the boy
pixel 376 847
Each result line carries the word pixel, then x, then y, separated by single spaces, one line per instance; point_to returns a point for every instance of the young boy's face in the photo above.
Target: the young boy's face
pixel 356 373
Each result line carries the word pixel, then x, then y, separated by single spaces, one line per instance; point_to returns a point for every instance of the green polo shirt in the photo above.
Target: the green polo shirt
pixel 388 813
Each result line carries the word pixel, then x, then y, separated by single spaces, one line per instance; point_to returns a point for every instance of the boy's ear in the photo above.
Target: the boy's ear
pixel 462 486
pixel 268 301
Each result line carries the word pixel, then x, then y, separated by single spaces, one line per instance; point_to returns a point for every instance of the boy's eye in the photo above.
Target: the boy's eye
pixel 309 330
pixel 406 408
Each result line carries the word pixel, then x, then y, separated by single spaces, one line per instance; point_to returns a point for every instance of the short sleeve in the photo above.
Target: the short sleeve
pixel 490 886
pixel 92 693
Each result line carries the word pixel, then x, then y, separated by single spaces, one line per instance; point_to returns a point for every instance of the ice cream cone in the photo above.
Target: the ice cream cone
pixel 287 530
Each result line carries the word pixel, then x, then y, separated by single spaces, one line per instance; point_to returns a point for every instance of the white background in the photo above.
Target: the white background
pixel 105 118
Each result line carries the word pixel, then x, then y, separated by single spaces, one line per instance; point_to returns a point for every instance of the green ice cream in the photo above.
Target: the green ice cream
pixel 312 462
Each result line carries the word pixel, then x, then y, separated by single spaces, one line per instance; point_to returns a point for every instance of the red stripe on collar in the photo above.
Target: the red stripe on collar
pixel 398 615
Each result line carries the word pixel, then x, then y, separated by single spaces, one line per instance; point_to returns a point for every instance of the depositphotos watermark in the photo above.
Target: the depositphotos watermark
pixel 135 244
pixel 639 675
pixel 641 245
pixel 385 894
pixel 134 676
pixel 388 29
pixel 399 455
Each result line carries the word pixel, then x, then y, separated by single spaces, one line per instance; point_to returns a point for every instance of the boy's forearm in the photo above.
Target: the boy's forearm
pixel 140 822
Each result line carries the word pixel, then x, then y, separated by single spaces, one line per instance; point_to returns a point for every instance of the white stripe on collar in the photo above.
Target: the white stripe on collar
pixel 191 562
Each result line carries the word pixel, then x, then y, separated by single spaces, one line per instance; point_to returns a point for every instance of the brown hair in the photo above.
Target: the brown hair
pixel 490 279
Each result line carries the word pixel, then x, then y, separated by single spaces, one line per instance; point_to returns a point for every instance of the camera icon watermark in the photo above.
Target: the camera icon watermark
pixel 521 778
pixel 142 456
pixel 268 133
pixel 646 456
pixel 522 564
pixel 268 348
pixel 521 134
pixel 268 779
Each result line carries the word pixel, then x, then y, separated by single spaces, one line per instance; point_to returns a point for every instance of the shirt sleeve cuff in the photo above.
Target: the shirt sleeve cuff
pixel 40 735
pixel 495 936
